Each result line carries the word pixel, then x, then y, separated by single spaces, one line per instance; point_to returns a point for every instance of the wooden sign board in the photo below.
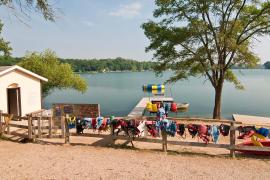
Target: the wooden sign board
pixel 78 110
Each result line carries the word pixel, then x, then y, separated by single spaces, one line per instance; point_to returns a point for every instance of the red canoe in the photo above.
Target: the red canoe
pixel 265 143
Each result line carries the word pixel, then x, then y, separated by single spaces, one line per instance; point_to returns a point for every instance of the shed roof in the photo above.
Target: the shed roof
pixel 7 69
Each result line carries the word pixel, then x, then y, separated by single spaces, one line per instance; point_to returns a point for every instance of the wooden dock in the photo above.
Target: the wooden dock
pixel 140 107
pixel 252 120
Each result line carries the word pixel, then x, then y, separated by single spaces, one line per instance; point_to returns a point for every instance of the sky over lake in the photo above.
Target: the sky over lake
pixel 91 29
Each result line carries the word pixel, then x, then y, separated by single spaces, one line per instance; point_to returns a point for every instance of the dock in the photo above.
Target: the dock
pixel 251 120
pixel 140 107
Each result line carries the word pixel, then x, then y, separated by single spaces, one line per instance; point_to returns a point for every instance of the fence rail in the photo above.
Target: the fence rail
pixel 34 129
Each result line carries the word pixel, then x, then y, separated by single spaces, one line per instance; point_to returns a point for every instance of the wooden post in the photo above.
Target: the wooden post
pixel 30 128
pixel 50 127
pixel 39 128
pixel 164 140
pixel 112 136
pixel 232 140
pixel 67 130
pixel 1 125
pixel 63 129
pixel 7 125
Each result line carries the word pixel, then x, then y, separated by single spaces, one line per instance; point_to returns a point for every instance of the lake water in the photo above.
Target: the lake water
pixel 118 93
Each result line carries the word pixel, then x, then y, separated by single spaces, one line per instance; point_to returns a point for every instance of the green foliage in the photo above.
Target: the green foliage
pixel 25 6
pixel 118 64
pixel 59 75
pixel 206 37
pixel 267 65
pixel 94 65
pixel 4 46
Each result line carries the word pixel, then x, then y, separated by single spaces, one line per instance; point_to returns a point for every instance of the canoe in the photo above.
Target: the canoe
pixel 182 105
pixel 265 143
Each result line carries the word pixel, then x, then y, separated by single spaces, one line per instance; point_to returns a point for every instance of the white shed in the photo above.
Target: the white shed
pixel 20 90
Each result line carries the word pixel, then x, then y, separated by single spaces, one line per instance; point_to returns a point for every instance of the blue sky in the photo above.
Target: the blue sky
pixel 91 29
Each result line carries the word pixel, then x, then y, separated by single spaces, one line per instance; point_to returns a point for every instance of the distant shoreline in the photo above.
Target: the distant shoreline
pixel 98 72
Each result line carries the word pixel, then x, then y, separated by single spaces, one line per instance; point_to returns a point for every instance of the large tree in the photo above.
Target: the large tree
pixel 4 45
pixel 59 75
pixel 267 65
pixel 207 37
pixel 45 7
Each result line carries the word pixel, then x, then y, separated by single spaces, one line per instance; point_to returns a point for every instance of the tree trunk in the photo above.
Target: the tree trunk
pixel 217 108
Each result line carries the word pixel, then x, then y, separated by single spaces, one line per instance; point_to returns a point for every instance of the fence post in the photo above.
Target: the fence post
pixel 30 128
pixel 1 125
pixel 232 140
pixel 63 126
pixel 164 140
pixel 7 125
pixel 67 130
pixel 50 127
pixel 39 127
pixel 112 136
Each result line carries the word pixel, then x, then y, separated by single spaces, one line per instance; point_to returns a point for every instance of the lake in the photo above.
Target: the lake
pixel 118 93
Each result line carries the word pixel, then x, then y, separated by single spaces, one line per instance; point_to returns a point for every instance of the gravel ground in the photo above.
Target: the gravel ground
pixel 58 161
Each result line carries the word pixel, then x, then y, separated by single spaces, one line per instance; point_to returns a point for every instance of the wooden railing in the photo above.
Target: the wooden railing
pixel 32 134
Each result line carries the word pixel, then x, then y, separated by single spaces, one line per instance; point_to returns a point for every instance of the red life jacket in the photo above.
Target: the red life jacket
pixel 174 107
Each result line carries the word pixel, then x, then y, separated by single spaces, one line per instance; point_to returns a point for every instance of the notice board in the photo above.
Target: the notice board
pixel 78 110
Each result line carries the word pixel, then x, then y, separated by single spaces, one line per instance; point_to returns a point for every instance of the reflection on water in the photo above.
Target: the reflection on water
pixel 118 93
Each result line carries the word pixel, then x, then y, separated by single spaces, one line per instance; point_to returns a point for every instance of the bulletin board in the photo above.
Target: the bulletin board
pixel 78 110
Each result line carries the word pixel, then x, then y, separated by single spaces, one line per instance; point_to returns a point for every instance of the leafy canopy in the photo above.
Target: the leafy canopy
pixel 59 75
pixel 206 37
pixel 25 6
pixel 267 65
pixel 4 45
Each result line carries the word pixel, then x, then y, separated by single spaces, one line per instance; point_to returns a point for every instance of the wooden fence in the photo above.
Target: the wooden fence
pixel 35 128
pixel 231 146
pixel 33 124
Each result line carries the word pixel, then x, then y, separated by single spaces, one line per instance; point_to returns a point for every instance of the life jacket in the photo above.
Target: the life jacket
pixel 104 126
pixel 161 113
pixel 246 131
pixel 167 107
pixel 203 133
pixel 87 123
pixel 154 108
pixel 149 106
pixel 151 129
pixel 99 122
pixel 71 121
pixel 174 107
pixel 215 134
pixel 94 123
pixel 263 131
pixel 115 123
pixel 193 129
pixel 79 126
pixel 171 128
pixel 181 129
pixel 224 129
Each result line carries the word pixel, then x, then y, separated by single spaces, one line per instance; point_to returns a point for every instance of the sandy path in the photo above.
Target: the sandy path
pixel 35 161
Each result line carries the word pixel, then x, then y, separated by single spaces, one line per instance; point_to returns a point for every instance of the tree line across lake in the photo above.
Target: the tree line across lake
pixel 94 65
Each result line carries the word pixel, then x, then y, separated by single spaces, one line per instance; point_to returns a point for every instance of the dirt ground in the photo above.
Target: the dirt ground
pixel 54 160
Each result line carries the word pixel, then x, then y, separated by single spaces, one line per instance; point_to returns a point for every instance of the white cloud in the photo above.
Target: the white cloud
pixel 128 11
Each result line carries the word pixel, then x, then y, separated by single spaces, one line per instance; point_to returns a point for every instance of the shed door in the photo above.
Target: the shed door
pixel 14 101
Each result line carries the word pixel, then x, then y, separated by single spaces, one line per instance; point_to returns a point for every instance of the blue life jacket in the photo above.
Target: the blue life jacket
pixel 167 107
pixel 263 131
pixel 215 134
pixel 99 122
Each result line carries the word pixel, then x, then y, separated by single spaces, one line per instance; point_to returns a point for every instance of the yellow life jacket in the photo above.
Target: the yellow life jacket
pixel 154 108
pixel 149 106
pixel 71 120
